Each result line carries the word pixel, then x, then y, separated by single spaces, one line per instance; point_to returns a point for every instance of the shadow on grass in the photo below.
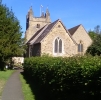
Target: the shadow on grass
pixel 38 91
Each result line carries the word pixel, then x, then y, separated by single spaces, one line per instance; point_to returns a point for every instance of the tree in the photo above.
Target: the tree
pixel 92 34
pixel 11 43
pixel 97 29
pixel 95 48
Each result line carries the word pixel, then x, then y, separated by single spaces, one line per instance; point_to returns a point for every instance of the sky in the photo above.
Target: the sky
pixel 70 12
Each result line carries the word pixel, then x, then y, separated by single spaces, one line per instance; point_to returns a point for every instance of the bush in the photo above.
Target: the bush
pixel 74 78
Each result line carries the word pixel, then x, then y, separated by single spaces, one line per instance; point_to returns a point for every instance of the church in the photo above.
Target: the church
pixel 53 38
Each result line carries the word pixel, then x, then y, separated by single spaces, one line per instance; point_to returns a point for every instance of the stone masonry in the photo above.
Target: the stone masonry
pixel 41 35
pixel 33 24
pixel 47 44
pixel 81 35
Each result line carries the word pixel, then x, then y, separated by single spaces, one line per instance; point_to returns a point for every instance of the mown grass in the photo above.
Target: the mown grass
pixel 4 75
pixel 28 94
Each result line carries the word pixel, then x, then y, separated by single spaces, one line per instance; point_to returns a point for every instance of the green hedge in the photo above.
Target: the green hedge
pixel 75 78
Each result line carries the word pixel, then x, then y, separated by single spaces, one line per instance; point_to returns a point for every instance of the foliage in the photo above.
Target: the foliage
pixel 75 78
pixel 92 34
pixel 97 29
pixel 95 48
pixel 11 43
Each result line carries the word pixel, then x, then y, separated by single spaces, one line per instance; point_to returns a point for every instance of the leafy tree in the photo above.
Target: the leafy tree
pixel 95 48
pixel 92 34
pixel 11 43
pixel 97 29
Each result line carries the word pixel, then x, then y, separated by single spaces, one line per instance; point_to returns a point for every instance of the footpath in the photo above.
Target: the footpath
pixel 13 89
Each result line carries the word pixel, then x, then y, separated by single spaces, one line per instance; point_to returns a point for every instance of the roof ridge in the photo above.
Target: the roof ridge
pixel 75 26
pixel 73 29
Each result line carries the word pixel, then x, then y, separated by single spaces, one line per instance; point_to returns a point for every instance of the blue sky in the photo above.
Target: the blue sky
pixel 70 12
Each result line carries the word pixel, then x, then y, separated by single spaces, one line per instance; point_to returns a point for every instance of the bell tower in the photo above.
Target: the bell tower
pixel 33 24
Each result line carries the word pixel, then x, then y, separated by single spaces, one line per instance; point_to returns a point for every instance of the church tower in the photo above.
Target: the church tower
pixel 33 24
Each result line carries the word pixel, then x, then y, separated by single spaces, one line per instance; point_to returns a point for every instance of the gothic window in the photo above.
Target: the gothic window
pixel 80 47
pixel 38 26
pixel 58 45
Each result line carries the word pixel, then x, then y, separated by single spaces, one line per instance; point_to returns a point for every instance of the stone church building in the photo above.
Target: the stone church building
pixel 53 38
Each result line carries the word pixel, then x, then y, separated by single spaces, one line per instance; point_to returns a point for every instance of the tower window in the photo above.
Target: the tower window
pixel 38 26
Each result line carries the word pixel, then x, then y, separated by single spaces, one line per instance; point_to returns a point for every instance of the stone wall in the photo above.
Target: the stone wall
pixel 81 35
pixel 33 26
pixel 69 47
pixel 18 60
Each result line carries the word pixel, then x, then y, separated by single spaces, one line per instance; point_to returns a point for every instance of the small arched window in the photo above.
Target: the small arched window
pixel 80 47
pixel 38 26
pixel 58 45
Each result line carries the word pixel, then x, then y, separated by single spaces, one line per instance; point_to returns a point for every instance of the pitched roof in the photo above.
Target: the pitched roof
pixel 72 30
pixel 40 34
pixel 35 35
pixel 46 31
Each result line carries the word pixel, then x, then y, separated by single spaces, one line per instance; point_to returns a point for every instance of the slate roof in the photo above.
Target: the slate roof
pixel 46 31
pixel 35 35
pixel 72 30
pixel 41 33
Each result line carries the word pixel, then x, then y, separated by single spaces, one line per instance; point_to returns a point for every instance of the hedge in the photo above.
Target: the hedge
pixel 74 78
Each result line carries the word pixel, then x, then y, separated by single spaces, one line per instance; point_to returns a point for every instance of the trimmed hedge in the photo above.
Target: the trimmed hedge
pixel 75 78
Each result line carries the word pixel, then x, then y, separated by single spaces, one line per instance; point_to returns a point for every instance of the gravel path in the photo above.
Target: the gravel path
pixel 13 88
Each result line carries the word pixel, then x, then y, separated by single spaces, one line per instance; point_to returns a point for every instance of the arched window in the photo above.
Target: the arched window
pixel 80 47
pixel 58 45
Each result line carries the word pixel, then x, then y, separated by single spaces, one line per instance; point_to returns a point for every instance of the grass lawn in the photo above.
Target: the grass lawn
pixel 4 75
pixel 28 94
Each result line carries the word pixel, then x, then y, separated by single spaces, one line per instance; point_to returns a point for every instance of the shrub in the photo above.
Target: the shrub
pixel 74 78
